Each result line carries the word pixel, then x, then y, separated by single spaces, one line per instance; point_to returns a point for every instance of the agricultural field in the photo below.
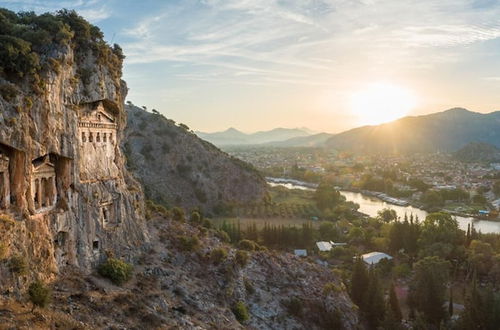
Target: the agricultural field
pixel 284 203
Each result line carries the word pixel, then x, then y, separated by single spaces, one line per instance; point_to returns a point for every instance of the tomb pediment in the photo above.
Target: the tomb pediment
pixel 43 166
pixel 98 117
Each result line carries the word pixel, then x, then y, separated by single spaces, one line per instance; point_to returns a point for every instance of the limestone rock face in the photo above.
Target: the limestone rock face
pixel 62 174
pixel 179 169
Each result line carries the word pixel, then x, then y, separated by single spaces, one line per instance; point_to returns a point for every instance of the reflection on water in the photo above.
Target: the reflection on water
pixel 288 185
pixel 371 205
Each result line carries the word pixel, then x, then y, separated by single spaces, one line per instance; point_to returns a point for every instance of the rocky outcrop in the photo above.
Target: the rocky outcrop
pixel 179 169
pixel 180 286
pixel 70 198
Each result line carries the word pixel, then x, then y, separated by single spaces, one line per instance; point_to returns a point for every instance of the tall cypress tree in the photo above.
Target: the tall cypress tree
pixel 394 303
pixel 450 303
pixel 373 306
pixel 359 281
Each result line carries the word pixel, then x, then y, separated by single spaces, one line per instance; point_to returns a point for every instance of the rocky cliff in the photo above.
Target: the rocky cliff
pixel 65 194
pixel 179 169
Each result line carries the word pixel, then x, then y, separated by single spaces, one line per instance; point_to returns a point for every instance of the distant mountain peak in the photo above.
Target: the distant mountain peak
pixel 232 136
pixel 232 130
pixel 458 110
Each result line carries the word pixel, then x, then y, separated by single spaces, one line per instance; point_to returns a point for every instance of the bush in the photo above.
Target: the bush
pixel 8 92
pixel 241 258
pixel 206 223
pixel 218 255
pixel 178 214
pixel 189 243
pixel 18 265
pixel 39 294
pixel 248 286
pixel 248 245
pixel 331 288
pixel 223 236
pixel 116 270
pixel 240 311
pixel 196 218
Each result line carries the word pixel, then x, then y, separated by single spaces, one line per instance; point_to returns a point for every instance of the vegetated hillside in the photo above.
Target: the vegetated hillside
pixel 478 152
pixel 178 168
pixel 191 279
pixel 232 136
pixel 445 131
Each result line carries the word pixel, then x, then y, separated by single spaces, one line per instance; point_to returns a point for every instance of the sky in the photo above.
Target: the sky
pixel 328 65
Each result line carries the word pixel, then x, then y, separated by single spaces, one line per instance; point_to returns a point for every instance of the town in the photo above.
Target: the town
pixel 437 181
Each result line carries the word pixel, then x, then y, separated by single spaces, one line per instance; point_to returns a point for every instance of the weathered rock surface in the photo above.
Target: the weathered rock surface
pixel 179 169
pixel 66 209
pixel 177 288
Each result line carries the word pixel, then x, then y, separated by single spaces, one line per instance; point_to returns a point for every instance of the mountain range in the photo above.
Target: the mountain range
pixel 445 131
pixel 233 136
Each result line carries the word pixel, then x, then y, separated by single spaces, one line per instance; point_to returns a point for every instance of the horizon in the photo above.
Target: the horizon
pixel 305 129
pixel 214 65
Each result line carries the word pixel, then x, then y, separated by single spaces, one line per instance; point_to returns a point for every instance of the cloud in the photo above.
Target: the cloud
pixel 92 10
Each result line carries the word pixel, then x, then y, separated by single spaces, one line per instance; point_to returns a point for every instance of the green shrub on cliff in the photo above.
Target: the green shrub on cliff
pixel 240 311
pixel 18 265
pixel 116 270
pixel 27 39
pixel 39 294
pixel 188 243
pixel 178 214
pixel 218 255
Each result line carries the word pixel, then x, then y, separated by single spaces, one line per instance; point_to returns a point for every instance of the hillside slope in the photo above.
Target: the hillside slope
pixel 478 152
pixel 176 286
pixel 178 168
pixel 444 131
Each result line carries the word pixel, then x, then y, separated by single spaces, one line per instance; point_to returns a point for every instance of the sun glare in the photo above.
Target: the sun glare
pixel 381 102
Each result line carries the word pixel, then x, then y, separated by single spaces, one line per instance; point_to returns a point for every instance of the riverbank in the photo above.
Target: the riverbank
pixel 370 205
pixel 296 184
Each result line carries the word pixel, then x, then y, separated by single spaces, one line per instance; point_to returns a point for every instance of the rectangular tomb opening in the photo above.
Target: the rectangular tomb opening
pixel 43 184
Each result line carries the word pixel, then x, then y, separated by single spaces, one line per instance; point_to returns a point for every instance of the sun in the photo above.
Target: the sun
pixel 381 102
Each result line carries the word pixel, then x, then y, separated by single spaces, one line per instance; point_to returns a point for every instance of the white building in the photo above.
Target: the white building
pixel 374 258
pixel 327 246
pixel 300 253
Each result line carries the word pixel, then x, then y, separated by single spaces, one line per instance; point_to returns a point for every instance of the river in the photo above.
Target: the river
pixel 371 205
